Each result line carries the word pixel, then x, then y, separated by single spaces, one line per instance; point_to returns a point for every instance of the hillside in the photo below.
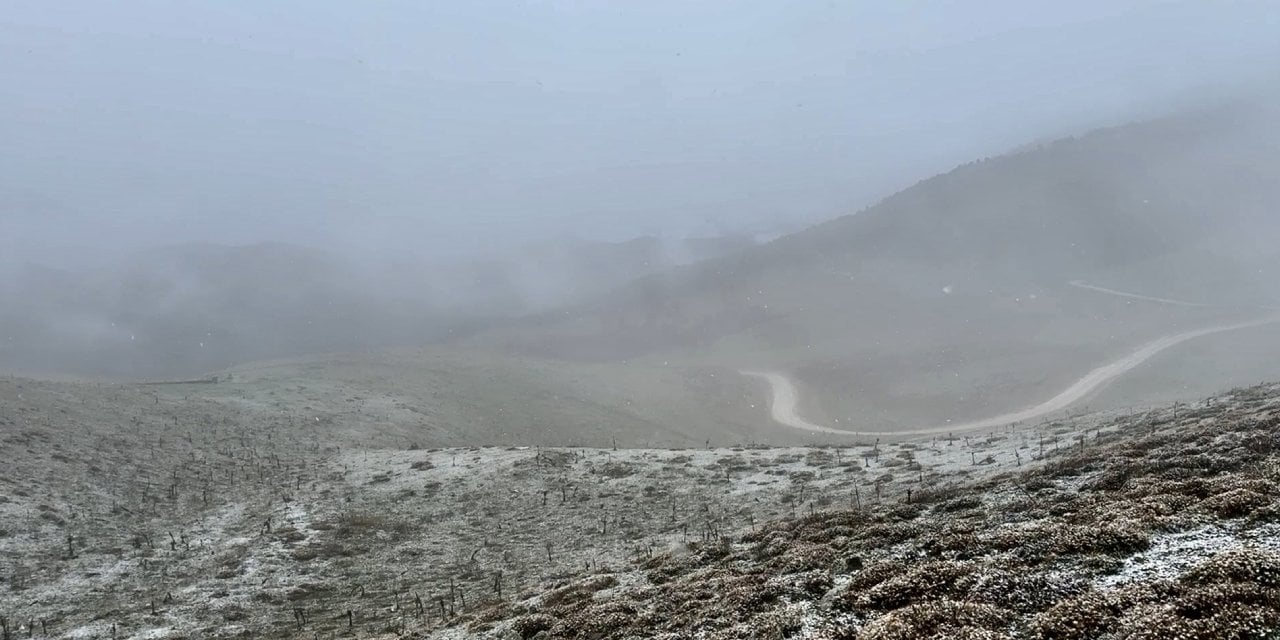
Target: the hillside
pixel 149 512
pixel 463 398
pixel 1166 527
pixel 954 299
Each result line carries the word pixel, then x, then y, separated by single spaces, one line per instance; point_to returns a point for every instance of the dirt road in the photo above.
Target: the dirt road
pixel 786 397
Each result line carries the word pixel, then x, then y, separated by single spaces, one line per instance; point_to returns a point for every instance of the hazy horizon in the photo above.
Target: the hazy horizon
pixel 445 130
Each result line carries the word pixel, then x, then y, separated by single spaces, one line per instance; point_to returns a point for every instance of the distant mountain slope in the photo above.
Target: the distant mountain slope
pixel 951 299
pixel 1108 200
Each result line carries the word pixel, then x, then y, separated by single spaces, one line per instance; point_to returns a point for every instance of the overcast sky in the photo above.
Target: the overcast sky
pixel 442 127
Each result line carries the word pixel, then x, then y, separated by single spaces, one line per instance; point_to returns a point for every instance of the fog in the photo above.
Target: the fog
pixel 447 127
pixel 406 161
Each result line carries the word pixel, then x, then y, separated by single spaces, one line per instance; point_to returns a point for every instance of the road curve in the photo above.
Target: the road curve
pixel 785 397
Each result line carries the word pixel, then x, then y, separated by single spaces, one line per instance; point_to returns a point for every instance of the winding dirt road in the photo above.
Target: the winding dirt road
pixel 783 406
pixel 785 399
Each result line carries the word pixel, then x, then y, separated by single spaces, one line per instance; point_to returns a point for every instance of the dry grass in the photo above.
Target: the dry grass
pixel 1028 555
pixel 281 527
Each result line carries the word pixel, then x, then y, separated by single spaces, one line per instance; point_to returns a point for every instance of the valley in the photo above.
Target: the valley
pixel 993 405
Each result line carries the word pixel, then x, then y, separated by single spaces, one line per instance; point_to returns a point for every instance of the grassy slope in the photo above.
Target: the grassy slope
pixel 281 524
pixel 459 397
pixel 1166 528
pixel 184 512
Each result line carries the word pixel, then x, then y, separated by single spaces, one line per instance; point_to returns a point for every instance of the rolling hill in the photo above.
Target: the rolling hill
pixel 954 299
pixel 977 293
pixel 144 512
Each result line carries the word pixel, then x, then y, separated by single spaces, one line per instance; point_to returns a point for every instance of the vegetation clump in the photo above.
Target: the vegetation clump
pixel 1068 550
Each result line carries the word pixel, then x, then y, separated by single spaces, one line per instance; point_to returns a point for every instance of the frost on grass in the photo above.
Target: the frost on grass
pixel 1096 529
pixel 1172 554
pixel 1164 530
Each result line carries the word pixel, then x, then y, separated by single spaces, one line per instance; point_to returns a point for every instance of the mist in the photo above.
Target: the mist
pixel 402 172
pixel 453 128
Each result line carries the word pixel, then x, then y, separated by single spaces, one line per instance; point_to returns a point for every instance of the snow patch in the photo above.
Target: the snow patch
pixel 1173 554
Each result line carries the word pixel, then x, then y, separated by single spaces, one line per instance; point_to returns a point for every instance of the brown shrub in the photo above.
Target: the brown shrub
pixel 922 582
pixel 577 592
pixel 940 619
pixel 1089 615
pixel 804 556
pixel 528 626
pixel 1236 503
pixel 1211 612
pixel 1255 566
